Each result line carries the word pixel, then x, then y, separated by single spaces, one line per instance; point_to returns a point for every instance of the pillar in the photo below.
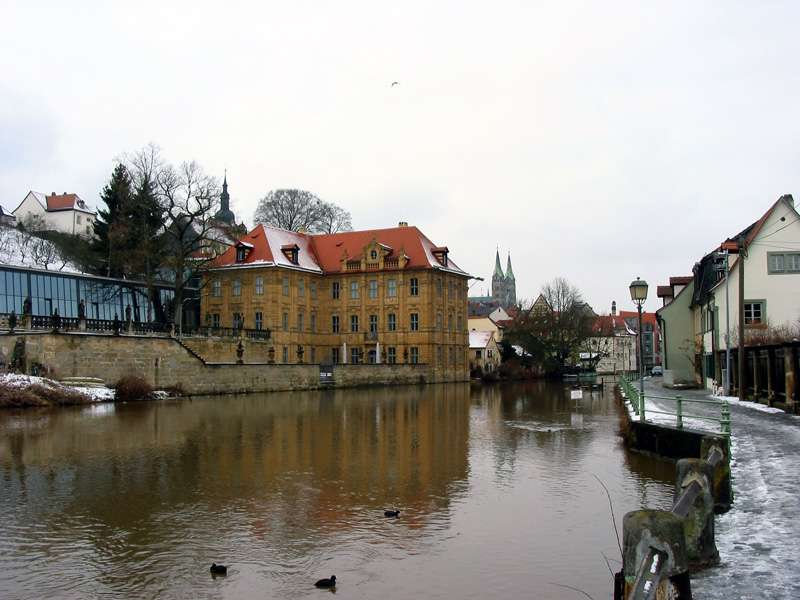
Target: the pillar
pixel 659 532
pixel 701 548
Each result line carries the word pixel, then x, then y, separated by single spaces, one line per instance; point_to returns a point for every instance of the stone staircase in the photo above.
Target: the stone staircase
pixel 84 382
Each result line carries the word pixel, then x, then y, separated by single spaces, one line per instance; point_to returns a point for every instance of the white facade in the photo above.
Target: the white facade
pixel 65 212
pixel 771 265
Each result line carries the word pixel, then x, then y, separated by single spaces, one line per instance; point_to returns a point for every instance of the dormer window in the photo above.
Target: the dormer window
pixel 242 250
pixel 441 255
pixel 292 252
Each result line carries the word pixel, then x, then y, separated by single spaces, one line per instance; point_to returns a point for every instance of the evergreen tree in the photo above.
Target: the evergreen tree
pixel 116 196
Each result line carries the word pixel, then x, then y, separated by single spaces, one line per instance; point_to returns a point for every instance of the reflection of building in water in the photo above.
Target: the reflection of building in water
pixel 333 452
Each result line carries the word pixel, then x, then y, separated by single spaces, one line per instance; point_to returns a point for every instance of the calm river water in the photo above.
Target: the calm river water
pixel 498 487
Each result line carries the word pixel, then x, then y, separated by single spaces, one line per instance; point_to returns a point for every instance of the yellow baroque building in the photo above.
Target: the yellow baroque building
pixel 381 296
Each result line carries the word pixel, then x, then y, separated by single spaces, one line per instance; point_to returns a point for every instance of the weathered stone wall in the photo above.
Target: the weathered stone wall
pixel 164 362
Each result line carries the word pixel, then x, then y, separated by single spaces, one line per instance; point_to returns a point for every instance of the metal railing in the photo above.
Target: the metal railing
pixel 637 400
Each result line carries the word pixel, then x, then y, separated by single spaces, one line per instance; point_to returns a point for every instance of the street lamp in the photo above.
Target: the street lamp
pixel 639 295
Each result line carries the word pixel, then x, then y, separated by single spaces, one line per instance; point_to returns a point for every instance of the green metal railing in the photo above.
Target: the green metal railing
pixel 637 400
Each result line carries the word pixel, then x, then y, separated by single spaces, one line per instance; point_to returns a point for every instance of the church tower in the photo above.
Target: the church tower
pixel 510 284
pixel 225 213
pixel 498 281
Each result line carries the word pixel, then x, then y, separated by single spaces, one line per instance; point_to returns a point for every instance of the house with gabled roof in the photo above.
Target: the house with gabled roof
pixel 62 212
pixel 704 313
pixel 373 296
pixel 483 351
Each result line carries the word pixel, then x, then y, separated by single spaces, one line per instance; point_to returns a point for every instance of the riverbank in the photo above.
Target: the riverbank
pixel 20 391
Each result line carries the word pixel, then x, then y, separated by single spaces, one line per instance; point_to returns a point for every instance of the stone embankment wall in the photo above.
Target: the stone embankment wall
pixel 165 362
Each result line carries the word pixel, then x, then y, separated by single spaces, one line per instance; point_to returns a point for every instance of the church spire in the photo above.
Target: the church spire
pixel 509 271
pixel 498 270
pixel 225 213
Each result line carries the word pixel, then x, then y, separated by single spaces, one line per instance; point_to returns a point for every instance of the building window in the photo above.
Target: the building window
pixel 335 290
pixel 438 321
pixel 753 313
pixel 392 322
pixel 373 324
pixel 215 320
pixel 373 288
pixel 438 288
pixel 450 354
pixel 285 286
pixel 259 320
pixel 354 289
pixel 353 323
pixel 217 288
pixel 391 288
pixel 450 290
pixel 259 290
pixel 241 254
pixel 461 356
pixel 301 292
pixel 237 286
pixel 391 355
pixel 414 286
pixel 780 262
pixel 313 290
pixel 414 321
pixel 354 354
pixel 460 296
pixel 439 355
pixel 237 320
pixel 449 322
pixel 477 353
pixel 335 324
pixel 285 354
pixel 313 355
pixel 460 323
pixel 286 321
pixel 313 324
pixel 335 356
pixel 299 322
pixel 414 355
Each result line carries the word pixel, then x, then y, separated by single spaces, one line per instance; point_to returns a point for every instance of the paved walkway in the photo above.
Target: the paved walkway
pixel 759 538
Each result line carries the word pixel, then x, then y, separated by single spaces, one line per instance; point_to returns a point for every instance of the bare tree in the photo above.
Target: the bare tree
pixel 297 209
pixel 334 219
pixel 555 326
pixel 189 198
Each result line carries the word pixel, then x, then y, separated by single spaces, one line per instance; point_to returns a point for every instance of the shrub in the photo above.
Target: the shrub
pixel 133 387
pixel 175 391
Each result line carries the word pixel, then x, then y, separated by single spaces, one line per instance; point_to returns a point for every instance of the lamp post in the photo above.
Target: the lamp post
pixel 638 290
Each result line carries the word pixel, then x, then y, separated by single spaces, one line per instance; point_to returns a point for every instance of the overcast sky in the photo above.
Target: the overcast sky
pixel 595 141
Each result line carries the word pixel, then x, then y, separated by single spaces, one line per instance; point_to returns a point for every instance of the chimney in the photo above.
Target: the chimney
pixel 614 308
pixel 302 231
pixel 402 224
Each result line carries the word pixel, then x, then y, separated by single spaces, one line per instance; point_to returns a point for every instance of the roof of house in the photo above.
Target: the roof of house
pixel 479 338
pixel 66 201
pixel 324 253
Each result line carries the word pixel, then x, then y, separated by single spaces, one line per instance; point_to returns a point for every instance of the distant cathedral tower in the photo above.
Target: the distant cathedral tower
pixel 504 286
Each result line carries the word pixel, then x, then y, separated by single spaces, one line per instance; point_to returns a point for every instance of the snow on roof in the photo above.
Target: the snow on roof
pixel 480 339
pixel 323 253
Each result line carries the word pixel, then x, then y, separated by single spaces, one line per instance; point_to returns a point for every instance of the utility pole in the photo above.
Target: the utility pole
pixel 742 382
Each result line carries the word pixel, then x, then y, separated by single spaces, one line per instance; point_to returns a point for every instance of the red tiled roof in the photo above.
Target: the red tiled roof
pixel 683 280
pixel 665 291
pixel 61 202
pixel 324 252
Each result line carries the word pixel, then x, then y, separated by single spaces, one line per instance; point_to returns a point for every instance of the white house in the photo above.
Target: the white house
pixel 483 350
pixel 768 253
pixel 65 212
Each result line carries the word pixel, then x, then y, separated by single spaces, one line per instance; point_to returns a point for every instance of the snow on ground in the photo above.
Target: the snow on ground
pixel 14 380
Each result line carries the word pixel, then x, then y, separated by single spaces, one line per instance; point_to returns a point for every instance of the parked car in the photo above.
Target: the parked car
pixel 656 371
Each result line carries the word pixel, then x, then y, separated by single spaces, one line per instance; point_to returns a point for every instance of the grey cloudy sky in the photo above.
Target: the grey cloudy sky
pixel 595 141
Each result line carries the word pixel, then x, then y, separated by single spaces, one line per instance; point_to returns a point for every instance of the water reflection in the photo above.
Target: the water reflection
pixel 497 481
